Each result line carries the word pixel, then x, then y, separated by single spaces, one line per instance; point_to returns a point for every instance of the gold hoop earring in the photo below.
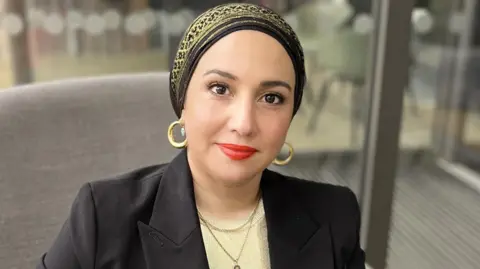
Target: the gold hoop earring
pixel 172 141
pixel 288 159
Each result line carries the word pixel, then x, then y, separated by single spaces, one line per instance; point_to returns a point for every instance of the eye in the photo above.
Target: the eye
pixel 272 98
pixel 218 89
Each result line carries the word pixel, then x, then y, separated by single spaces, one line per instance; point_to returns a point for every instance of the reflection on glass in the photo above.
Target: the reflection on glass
pixel 329 129
pixel 437 205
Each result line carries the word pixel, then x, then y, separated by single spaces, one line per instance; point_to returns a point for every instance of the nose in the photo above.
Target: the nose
pixel 242 117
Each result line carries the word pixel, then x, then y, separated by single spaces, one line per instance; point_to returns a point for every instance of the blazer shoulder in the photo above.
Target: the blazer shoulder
pixel 101 211
pixel 333 201
pixel 127 195
pixel 318 190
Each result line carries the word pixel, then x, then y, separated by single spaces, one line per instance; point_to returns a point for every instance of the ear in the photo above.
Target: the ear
pixel 181 116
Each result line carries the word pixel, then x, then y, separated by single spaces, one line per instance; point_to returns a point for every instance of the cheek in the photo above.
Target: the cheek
pixel 202 120
pixel 274 130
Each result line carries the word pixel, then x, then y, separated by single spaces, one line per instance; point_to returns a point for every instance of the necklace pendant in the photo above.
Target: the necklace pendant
pixel 237 266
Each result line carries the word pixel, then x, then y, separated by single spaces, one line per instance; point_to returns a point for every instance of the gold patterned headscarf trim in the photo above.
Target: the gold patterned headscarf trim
pixel 220 21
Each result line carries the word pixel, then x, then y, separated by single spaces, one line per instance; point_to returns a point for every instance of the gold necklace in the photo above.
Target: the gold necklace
pixel 231 230
pixel 209 228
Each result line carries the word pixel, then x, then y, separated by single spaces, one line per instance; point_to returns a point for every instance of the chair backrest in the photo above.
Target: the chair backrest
pixel 56 136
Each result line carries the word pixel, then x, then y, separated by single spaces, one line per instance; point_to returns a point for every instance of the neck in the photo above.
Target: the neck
pixel 228 201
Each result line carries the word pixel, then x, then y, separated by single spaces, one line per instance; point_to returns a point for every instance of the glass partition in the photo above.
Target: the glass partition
pixel 436 212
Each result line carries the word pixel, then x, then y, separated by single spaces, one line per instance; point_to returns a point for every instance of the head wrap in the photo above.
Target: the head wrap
pixel 220 21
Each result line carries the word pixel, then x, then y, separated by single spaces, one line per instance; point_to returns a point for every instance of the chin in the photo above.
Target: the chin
pixel 236 173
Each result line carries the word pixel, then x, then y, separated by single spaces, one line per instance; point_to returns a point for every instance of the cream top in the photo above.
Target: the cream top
pixel 255 253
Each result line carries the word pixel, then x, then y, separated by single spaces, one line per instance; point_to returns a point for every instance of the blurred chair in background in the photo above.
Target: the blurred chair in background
pixel 56 136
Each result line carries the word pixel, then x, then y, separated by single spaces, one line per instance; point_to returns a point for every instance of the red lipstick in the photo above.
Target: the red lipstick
pixel 237 152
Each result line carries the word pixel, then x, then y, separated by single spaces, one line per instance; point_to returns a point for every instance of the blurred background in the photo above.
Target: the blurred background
pixel 423 211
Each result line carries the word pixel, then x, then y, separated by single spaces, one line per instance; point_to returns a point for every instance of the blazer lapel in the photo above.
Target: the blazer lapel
pixel 295 239
pixel 173 238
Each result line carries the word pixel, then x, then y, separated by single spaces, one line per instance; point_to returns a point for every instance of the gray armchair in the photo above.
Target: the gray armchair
pixel 56 136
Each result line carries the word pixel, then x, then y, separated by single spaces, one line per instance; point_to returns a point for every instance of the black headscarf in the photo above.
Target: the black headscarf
pixel 220 21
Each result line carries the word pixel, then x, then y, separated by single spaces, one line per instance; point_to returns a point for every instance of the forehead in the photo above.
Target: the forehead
pixel 248 52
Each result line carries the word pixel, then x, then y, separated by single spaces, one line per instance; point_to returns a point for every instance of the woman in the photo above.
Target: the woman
pixel 236 84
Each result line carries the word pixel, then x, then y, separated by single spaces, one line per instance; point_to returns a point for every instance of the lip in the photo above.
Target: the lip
pixel 237 152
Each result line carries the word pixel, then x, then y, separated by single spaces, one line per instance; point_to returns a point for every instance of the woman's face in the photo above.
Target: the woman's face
pixel 239 106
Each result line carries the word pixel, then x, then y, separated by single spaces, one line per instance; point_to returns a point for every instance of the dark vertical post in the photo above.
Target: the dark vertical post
pixel 387 79
pixel 19 46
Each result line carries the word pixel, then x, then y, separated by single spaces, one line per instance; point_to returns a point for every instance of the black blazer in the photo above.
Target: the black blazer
pixel 148 219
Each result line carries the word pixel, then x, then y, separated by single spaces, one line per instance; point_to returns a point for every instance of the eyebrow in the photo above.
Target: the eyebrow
pixel 275 83
pixel 221 73
pixel 263 84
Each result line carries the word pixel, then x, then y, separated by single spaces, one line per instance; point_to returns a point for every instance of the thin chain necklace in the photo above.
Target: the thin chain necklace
pixel 249 221
pixel 231 230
